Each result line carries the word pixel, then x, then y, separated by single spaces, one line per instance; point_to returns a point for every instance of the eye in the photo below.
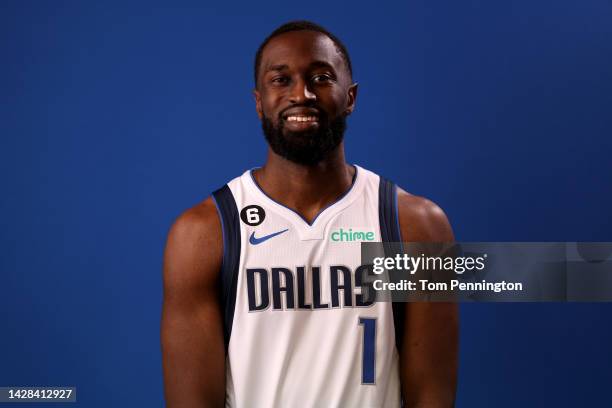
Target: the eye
pixel 280 80
pixel 322 78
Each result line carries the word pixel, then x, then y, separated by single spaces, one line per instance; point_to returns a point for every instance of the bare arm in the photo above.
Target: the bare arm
pixel 192 325
pixel 428 358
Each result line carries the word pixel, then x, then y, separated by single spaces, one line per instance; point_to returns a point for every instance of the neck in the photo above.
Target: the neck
pixel 306 189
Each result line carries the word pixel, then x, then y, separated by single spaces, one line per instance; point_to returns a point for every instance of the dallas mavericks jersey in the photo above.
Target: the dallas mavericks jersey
pixel 298 330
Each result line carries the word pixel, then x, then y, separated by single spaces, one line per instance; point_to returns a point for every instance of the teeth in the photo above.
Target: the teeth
pixel 297 118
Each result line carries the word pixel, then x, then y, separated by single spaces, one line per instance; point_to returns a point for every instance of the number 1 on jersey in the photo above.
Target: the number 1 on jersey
pixel 368 368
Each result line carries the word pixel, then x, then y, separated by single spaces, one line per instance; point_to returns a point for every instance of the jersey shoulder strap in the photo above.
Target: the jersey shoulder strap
pixel 391 237
pixel 230 224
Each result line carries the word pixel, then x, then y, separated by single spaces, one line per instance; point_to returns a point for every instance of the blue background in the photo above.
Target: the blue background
pixel 116 117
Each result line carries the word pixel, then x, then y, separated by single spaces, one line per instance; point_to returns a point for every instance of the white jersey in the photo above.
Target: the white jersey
pixel 299 332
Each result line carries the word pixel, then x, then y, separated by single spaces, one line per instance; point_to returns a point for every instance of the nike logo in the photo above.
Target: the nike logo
pixel 257 241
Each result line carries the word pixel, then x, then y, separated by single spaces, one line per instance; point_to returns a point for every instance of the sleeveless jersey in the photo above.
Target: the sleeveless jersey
pixel 298 330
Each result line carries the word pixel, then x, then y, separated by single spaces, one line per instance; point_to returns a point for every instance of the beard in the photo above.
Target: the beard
pixel 307 147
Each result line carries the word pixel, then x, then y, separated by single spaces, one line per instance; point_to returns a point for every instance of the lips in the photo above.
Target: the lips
pixel 301 115
pixel 301 119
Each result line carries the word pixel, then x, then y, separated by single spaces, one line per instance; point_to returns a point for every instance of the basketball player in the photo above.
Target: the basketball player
pixel 262 301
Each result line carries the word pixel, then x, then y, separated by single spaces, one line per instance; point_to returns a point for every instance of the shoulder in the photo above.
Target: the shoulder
pixel 197 222
pixel 194 248
pixel 422 220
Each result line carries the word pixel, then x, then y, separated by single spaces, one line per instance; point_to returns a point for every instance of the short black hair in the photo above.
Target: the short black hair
pixel 303 25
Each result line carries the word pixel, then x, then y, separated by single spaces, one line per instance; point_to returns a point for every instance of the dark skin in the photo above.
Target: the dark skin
pixel 298 69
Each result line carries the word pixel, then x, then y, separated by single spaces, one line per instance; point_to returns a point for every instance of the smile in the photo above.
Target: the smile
pixel 298 118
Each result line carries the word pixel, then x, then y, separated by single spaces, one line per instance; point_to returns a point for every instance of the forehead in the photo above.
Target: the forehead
pixel 299 49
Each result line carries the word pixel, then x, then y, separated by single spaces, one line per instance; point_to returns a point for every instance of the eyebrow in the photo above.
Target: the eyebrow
pixel 279 67
pixel 314 64
pixel 321 64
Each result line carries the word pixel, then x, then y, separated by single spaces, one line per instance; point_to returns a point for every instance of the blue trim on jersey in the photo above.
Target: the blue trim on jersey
pixel 222 232
pixel 298 214
pixel 399 229
pixel 388 211
pixel 388 215
pixel 230 226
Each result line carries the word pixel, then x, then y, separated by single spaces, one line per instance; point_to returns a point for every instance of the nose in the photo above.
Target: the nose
pixel 300 93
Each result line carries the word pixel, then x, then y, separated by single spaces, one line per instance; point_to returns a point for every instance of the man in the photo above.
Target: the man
pixel 262 306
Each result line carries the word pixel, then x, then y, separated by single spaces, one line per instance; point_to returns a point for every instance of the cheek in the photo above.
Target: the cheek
pixel 270 104
pixel 336 103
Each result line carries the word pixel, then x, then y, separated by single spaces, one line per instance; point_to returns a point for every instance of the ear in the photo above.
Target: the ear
pixel 257 96
pixel 352 98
